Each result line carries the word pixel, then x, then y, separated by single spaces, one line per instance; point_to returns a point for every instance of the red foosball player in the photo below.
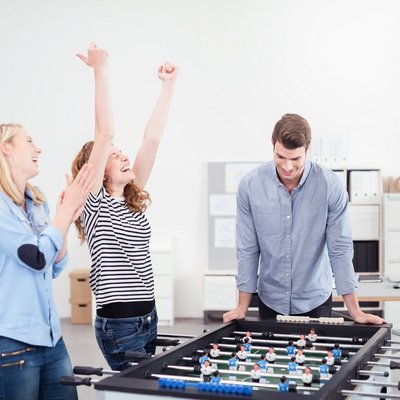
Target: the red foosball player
pixel 255 373
pixel 307 377
pixel 282 385
pixel 215 351
pixel 206 370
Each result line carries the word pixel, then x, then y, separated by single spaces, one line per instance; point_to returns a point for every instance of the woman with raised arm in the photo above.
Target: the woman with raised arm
pixel 33 251
pixel 114 224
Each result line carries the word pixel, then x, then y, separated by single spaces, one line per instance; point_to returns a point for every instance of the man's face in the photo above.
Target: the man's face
pixel 289 163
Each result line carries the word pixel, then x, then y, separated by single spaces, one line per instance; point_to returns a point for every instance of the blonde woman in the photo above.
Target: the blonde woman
pixel 33 251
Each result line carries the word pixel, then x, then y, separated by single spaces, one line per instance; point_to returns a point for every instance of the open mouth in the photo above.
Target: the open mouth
pixel 125 169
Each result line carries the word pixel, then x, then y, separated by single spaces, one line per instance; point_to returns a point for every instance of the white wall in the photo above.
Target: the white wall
pixel 243 63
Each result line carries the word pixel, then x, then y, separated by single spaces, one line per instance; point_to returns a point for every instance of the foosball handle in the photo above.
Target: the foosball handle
pixel 75 381
pixel 136 355
pixel 162 342
pixel 394 365
pixel 88 371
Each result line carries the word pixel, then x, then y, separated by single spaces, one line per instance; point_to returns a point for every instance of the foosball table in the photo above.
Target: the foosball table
pixel 292 358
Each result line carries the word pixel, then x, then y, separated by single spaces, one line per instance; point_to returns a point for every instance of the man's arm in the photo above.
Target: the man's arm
pixel 357 314
pixel 240 311
pixel 248 254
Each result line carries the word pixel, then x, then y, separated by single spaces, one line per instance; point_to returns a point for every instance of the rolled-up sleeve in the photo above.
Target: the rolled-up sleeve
pixel 248 251
pixel 339 241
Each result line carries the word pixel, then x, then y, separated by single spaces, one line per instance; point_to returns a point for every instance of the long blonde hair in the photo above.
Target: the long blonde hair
pixel 137 200
pixel 7 184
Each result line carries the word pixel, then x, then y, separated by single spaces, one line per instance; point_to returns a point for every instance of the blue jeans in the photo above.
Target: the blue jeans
pixel 117 335
pixel 33 372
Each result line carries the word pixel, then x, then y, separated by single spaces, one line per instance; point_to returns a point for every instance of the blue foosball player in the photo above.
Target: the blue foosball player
pixel 337 352
pixel 291 350
pixel 282 385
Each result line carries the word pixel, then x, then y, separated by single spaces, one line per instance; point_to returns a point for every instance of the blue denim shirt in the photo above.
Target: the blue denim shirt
pixel 293 241
pixel 28 247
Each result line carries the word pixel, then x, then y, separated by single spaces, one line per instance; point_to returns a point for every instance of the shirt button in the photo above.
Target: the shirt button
pixel 287 292
pixel 287 216
pixel 287 235
pixel 287 274
pixel 287 255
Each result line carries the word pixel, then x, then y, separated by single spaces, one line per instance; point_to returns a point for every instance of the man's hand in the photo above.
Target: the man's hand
pixel 236 313
pixel 363 318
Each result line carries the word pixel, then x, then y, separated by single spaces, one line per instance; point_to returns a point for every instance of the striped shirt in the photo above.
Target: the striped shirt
pixel 118 241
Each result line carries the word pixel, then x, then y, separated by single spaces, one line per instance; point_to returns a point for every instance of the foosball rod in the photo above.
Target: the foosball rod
pixel 253 355
pixel 262 341
pixel 82 370
pixel 390 356
pixel 392 365
pixel 254 384
pixel 369 394
pixel 367 372
pixel 305 351
pixel 375 383
pixel 392 341
pixel 196 369
pixel 391 348
pixel 176 335
pixel 293 336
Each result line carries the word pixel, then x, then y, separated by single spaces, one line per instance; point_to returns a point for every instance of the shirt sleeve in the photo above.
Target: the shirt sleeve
pixel 58 267
pixel 339 240
pixel 247 249
pixel 18 242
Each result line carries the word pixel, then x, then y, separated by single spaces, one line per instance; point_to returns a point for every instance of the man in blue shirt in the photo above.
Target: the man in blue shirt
pixel 293 232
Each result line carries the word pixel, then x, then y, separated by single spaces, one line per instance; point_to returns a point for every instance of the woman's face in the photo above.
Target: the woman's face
pixel 24 155
pixel 118 169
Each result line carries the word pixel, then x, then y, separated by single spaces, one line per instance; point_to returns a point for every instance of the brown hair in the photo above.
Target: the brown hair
pixel 293 131
pixel 137 200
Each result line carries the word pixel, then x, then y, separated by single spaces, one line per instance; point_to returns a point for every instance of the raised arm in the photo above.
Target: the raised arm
pixel 146 155
pixel 104 124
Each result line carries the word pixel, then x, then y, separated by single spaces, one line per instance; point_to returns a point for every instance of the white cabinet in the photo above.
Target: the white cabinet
pixel 391 235
pixel 162 258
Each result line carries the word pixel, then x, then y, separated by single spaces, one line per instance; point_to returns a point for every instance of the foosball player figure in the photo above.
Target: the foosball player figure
pixel 307 376
pixel 324 370
pixel 255 373
pixel 215 351
pixel 271 355
pixel 206 370
pixel 330 360
pixel 204 357
pixel 232 363
pixel 263 364
pixel 248 336
pixel 312 336
pixel 301 343
pixel 292 366
pixel 282 385
pixel 337 352
pixel 247 344
pixel 242 356
pixel 300 357
pixel 215 378
pixel 290 349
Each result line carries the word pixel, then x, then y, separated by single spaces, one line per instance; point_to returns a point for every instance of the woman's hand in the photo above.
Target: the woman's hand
pixel 96 57
pixel 168 72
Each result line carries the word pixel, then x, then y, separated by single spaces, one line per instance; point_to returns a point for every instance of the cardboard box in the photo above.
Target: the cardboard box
pixel 81 312
pixel 80 289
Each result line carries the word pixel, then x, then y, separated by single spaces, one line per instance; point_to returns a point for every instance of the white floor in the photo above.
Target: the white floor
pixel 83 349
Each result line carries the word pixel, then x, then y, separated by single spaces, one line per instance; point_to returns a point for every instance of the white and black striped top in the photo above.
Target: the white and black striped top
pixel 118 241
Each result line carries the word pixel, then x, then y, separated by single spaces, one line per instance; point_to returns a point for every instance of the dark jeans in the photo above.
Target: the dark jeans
pixel 117 335
pixel 33 372
pixel 324 310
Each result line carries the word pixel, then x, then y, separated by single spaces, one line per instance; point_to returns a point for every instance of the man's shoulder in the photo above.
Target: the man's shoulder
pixel 260 171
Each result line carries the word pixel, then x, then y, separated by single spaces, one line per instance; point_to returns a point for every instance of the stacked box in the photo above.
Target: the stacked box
pixel 81 297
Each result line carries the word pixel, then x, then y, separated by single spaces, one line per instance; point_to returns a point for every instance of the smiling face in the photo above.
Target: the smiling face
pixel 289 164
pixel 118 170
pixel 23 156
